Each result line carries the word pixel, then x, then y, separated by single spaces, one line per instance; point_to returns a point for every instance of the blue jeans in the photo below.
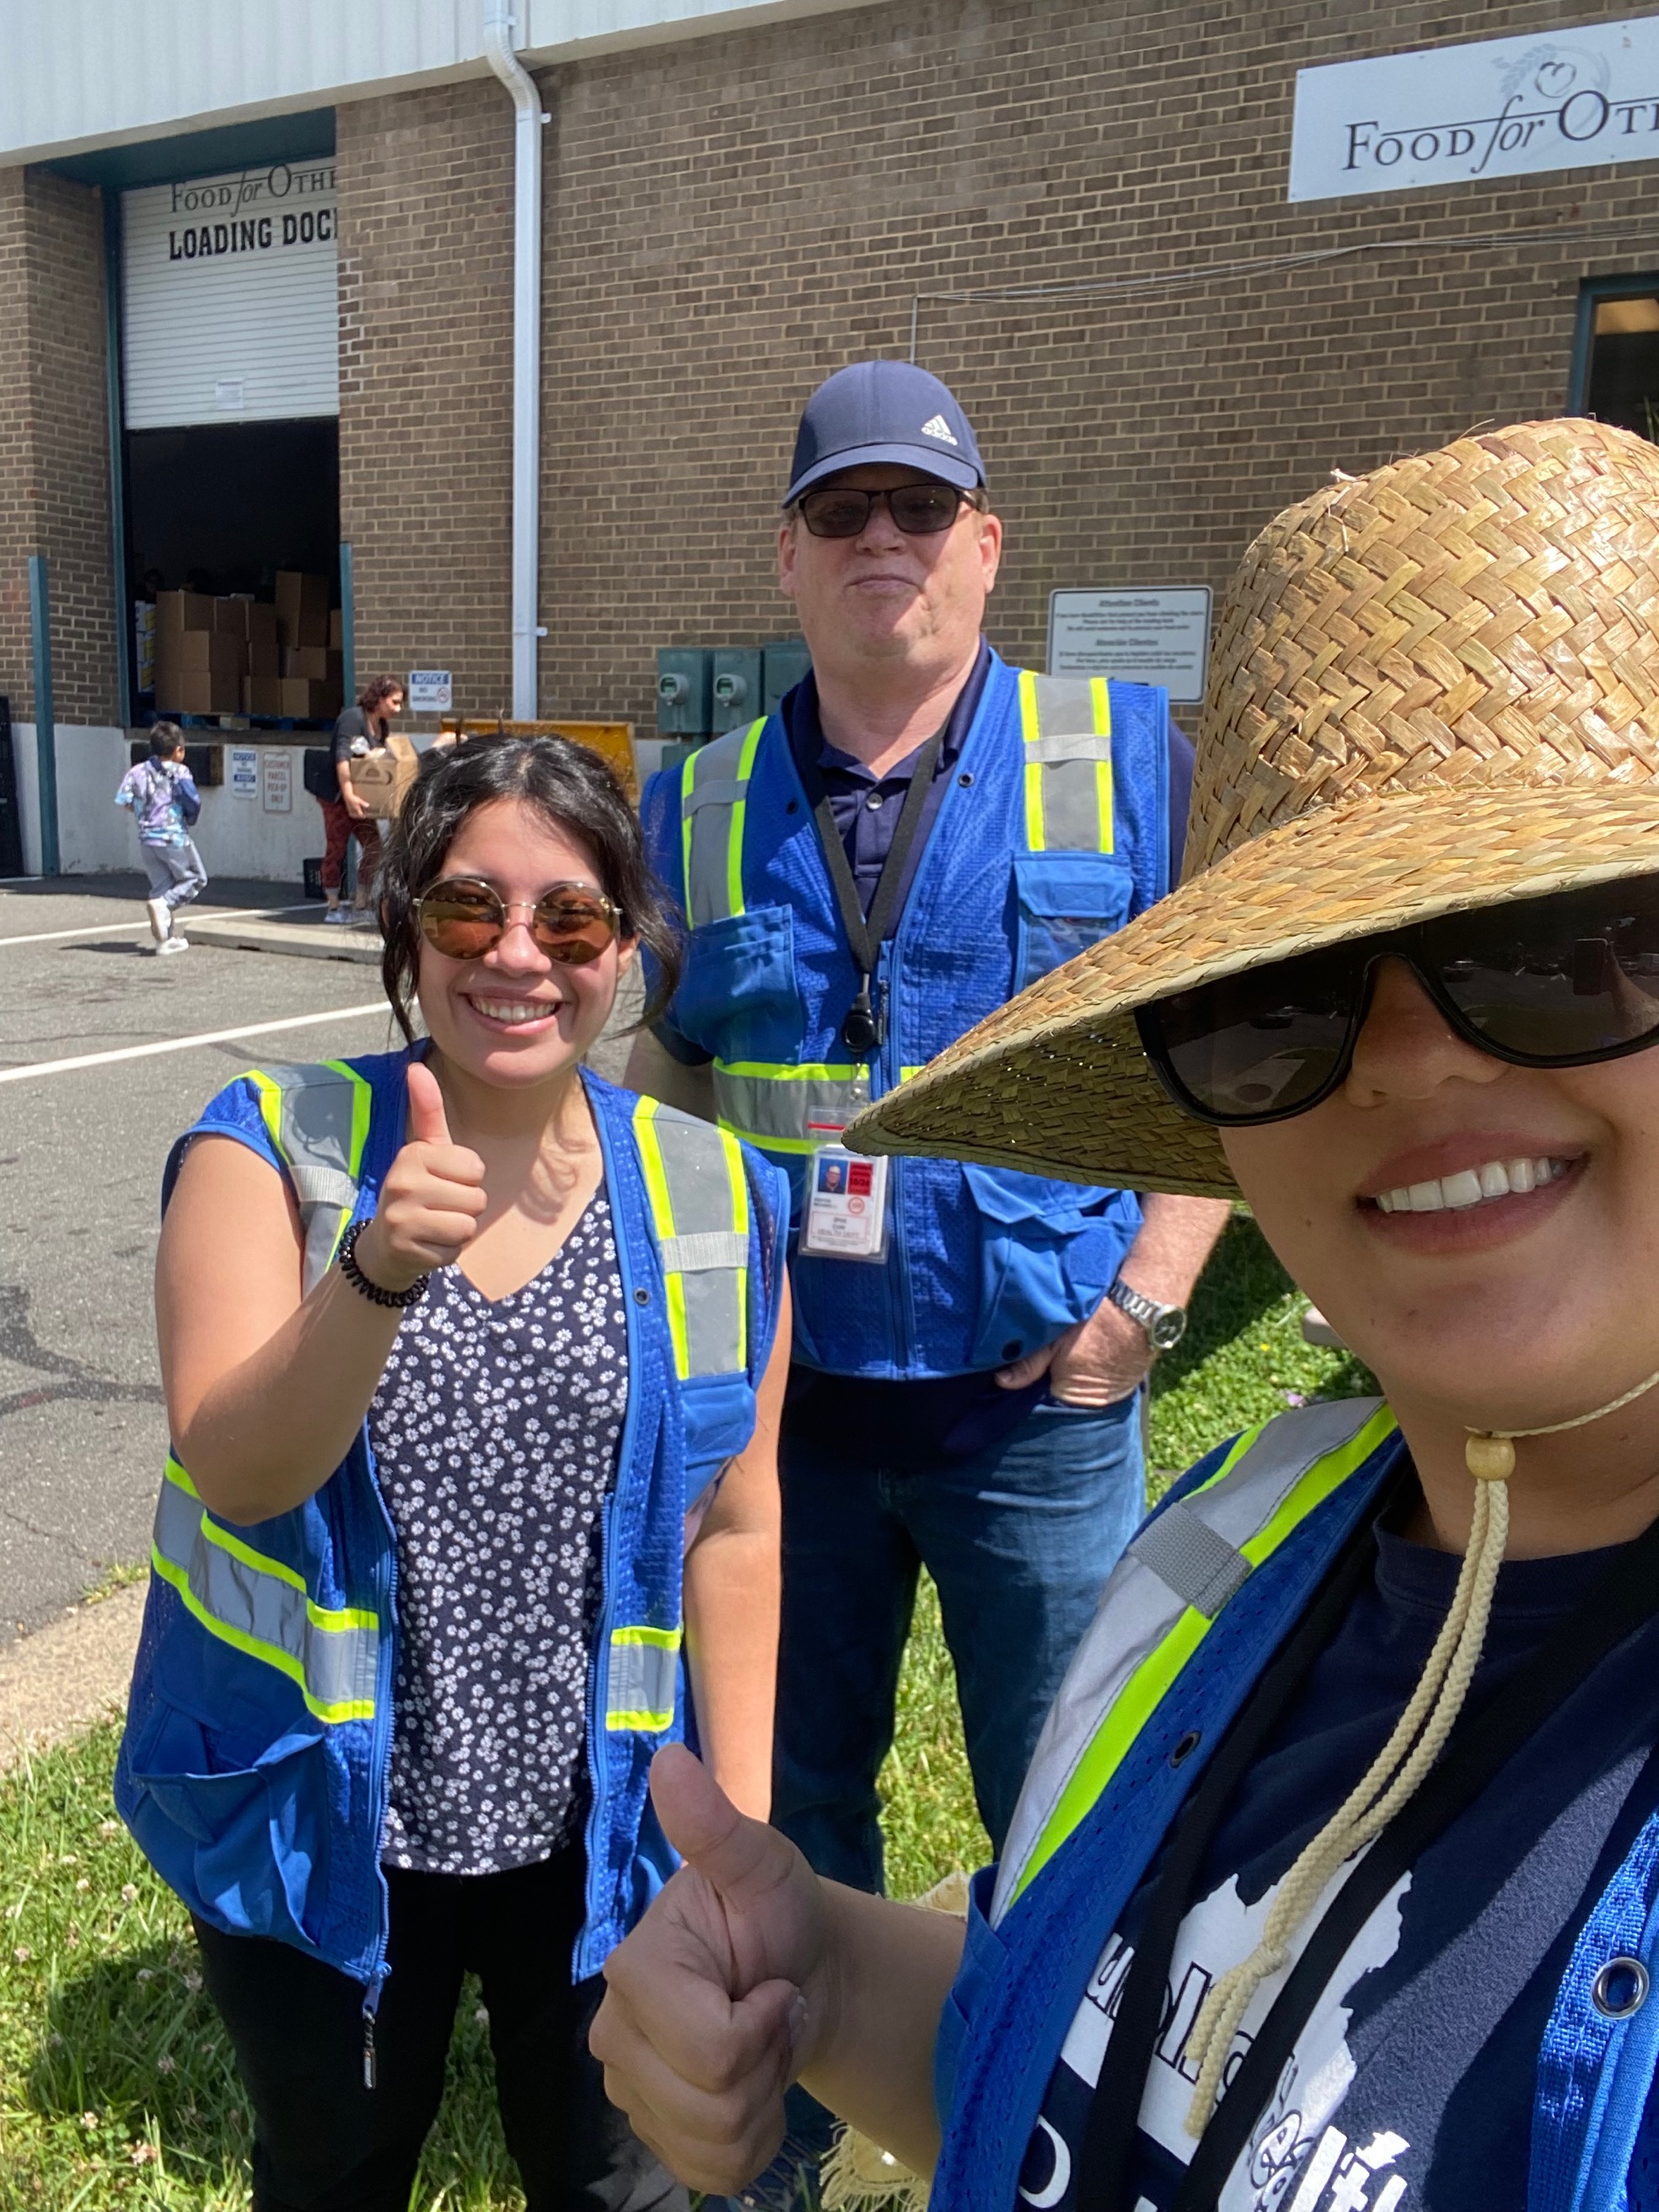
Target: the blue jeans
pixel 1018 1540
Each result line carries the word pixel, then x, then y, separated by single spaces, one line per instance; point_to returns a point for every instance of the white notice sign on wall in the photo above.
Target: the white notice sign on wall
pixel 1140 637
pixel 244 764
pixel 431 691
pixel 1507 107
pixel 278 762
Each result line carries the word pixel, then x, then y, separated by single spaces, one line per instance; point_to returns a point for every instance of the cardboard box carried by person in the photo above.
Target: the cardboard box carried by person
pixel 382 778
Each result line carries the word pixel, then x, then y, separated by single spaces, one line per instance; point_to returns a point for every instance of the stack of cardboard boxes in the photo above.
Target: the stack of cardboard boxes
pixel 244 656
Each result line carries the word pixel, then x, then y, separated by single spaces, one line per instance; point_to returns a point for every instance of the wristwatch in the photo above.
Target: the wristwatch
pixel 1166 1326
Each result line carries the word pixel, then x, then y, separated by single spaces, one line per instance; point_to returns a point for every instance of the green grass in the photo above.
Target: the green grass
pixel 116 2085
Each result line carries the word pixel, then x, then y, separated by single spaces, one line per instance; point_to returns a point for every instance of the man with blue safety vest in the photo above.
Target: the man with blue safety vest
pixel 919 833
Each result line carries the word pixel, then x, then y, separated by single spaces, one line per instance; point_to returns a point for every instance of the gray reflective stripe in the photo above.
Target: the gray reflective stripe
pixel 1066 707
pixel 1067 749
pixel 315 1186
pixel 716 789
pixel 723 790
pixel 1138 1609
pixel 708 1247
pixel 316 1121
pixel 1087 746
pixel 782 1107
pixel 1185 1553
pixel 1071 806
pixel 698 1173
pixel 644 1680
pixel 262 1612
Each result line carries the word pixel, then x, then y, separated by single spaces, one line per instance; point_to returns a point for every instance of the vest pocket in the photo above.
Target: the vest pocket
pixel 257 1835
pixel 738 998
pixel 1066 902
pixel 1026 1231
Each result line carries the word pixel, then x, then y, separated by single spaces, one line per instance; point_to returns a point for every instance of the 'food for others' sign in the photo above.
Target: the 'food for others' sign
pixel 1450 115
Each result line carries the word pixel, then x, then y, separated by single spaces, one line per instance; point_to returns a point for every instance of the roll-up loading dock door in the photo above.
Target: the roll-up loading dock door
pixel 230 394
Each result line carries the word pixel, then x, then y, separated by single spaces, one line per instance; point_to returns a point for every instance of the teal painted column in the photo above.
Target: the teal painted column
pixel 45 735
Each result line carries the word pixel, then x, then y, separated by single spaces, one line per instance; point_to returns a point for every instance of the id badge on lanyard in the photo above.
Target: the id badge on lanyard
pixel 846 1214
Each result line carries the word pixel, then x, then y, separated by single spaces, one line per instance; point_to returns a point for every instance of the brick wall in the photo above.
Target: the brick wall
pixel 54 442
pixel 426 382
pixel 730 219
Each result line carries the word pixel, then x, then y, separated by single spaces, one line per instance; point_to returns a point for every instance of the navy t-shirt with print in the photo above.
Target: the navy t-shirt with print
pixel 1411 2088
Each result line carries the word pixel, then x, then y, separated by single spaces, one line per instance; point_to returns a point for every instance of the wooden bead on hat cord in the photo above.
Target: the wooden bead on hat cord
pixel 1394 1774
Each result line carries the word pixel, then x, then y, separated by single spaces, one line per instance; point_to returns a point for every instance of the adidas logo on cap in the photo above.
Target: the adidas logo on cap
pixel 939 429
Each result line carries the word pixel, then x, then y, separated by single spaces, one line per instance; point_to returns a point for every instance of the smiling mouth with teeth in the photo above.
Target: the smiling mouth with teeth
pixel 512 1010
pixel 1472 1186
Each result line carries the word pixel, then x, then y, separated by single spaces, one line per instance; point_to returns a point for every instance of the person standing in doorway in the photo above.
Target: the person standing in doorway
pixel 346 816
pixel 918 834
pixel 165 805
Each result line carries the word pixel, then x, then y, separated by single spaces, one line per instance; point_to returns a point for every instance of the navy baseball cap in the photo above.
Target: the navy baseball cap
pixel 883 410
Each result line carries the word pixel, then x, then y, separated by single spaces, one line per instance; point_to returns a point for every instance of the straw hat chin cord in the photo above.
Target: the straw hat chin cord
pixel 1400 1767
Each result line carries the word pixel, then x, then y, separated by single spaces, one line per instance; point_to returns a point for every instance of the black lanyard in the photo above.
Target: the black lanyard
pixel 1622 1601
pixel 864 1027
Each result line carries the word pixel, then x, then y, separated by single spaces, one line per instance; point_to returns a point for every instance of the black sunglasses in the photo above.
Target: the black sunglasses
pixel 920 510
pixel 463 917
pixel 1560 982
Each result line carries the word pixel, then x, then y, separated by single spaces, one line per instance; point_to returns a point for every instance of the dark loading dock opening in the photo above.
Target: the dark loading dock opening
pixel 220 508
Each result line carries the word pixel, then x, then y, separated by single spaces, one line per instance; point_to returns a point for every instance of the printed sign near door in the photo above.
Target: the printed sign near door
pixel 244 765
pixel 431 691
pixel 1139 637
pixel 277 764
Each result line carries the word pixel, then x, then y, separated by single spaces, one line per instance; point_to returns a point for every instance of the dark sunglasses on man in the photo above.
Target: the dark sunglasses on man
pixel 463 918
pixel 920 510
pixel 1563 980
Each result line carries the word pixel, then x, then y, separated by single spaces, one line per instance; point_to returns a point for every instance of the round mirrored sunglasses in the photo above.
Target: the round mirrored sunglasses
pixel 463 917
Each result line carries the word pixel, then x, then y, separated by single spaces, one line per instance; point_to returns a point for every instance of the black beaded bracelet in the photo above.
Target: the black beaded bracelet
pixel 359 1281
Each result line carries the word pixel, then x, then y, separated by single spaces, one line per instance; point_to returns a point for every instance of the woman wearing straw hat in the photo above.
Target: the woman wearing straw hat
pixel 1333 1886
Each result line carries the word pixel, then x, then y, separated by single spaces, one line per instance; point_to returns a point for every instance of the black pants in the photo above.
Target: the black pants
pixel 324 2142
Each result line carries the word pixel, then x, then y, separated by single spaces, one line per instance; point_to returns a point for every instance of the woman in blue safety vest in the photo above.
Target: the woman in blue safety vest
pixel 1335 1885
pixel 465 1350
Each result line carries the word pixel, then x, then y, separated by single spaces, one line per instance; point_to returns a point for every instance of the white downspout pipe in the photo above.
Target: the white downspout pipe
pixel 498 29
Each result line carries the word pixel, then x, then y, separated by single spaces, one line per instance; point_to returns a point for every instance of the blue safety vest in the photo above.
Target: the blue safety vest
pixel 253 1768
pixel 1189 1620
pixel 1053 834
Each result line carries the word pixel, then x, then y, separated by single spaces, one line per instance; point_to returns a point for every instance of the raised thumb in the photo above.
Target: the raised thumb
pixel 736 1856
pixel 427 1124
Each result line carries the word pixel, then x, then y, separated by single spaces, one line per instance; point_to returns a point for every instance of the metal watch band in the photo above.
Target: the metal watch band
pixel 1166 1326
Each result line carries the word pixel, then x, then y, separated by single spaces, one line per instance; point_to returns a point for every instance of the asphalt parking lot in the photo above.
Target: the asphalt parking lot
pixel 81 1149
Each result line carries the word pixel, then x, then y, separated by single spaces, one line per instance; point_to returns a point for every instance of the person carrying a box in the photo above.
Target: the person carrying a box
pixel 346 816
pixel 165 802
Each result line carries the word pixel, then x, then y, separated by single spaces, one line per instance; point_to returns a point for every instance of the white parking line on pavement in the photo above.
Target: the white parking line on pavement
pixel 137 926
pixel 186 1044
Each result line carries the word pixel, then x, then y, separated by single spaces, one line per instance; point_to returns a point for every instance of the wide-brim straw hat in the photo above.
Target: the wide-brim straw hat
pixel 1435 687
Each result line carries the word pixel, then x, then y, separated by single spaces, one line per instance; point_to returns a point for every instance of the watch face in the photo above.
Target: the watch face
pixel 1166 1330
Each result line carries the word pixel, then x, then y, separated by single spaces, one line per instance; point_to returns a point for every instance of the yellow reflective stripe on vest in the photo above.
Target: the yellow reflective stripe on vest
pixel 699 1198
pixel 1140 1695
pixel 645 1668
pixel 317 1119
pixel 784 1107
pixel 714 805
pixel 261 1607
pixel 1066 723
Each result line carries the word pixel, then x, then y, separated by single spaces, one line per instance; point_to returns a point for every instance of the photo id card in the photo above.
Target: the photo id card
pixel 846 1206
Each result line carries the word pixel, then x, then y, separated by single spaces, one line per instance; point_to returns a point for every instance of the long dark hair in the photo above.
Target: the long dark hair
pixel 574 790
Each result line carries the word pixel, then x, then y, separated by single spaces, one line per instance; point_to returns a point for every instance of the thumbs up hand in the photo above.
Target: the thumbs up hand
pixel 716 2000
pixel 431 1200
